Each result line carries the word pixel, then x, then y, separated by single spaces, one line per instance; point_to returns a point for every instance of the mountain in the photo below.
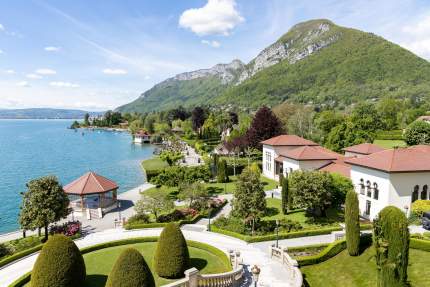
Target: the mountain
pixel 315 62
pixel 42 113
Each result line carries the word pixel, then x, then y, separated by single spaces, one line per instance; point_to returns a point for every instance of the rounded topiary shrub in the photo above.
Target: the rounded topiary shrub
pixel 171 256
pixel 59 264
pixel 130 270
pixel 391 241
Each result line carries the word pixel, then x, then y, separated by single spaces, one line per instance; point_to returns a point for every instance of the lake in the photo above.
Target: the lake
pixel 35 148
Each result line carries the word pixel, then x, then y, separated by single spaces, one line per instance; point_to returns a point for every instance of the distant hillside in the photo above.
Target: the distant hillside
pixel 316 62
pixel 43 113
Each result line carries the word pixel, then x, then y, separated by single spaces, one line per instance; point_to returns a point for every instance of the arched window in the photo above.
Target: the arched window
pixel 369 188
pixel 361 186
pixel 375 191
pixel 424 192
pixel 415 193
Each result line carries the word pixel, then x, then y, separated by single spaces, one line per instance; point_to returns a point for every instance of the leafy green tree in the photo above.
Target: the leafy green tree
pixel 326 120
pixel 135 126
pixel 365 117
pixel 418 133
pixel 44 202
pixel 193 191
pixel 301 123
pixel 389 109
pixel 284 195
pixel 312 190
pixel 130 270
pixel 347 134
pixel 222 171
pixel 59 264
pixel 341 186
pixel 249 197
pixel 171 157
pixel 171 255
pixel 153 202
pixel 86 119
pixel 391 242
pixel 352 223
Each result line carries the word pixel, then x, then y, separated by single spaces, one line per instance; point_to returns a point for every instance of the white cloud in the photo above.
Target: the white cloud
pixel 23 84
pixel 147 77
pixel 214 44
pixel 10 72
pixel 63 85
pixel 1 27
pixel 45 72
pixel 216 17
pixel 34 76
pixel 52 49
pixel 417 37
pixel 1 51
pixel 114 71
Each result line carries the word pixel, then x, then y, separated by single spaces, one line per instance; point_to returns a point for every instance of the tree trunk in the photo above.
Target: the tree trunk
pixel 38 232
pixel 46 232
pixel 23 233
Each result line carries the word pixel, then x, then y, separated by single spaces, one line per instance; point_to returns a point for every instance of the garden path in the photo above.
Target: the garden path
pixel 192 158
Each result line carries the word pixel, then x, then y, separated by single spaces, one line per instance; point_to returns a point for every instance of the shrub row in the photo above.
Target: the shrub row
pixel 366 226
pixel 420 244
pixel 130 226
pixel 20 255
pixel 299 248
pixel 390 135
pixel 151 173
pixel 261 238
pixel 24 279
pixel 331 250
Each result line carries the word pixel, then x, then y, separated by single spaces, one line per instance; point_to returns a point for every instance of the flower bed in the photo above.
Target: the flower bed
pixel 71 228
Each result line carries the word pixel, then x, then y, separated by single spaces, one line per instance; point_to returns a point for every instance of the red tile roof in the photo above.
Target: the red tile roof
pixel 415 158
pixel 311 153
pixel 364 148
pixel 90 183
pixel 338 166
pixel 288 140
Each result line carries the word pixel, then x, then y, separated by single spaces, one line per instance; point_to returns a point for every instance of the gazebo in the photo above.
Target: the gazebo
pixel 91 192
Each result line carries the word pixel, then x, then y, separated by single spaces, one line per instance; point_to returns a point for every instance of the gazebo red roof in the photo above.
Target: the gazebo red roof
pixel 90 183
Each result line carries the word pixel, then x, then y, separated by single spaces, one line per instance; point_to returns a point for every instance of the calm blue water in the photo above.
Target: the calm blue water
pixel 34 148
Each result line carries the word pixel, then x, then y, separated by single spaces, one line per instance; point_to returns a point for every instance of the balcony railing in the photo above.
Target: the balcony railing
pixel 291 265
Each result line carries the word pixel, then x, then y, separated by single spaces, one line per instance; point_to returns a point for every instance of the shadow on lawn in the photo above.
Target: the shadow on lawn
pixel 198 263
pixel 95 280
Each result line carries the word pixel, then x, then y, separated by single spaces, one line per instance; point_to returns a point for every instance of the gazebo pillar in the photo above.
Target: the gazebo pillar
pixel 82 202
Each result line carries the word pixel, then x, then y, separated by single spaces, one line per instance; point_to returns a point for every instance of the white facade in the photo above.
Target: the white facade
pixel 269 156
pixel 142 139
pixel 378 189
pixel 290 165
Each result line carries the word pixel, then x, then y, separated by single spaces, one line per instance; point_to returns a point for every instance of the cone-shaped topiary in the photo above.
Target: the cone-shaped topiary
pixel 59 264
pixel 352 224
pixel 130 270
pixel 222 171
pixel 284 195
pixel 171 256
pixel 391 241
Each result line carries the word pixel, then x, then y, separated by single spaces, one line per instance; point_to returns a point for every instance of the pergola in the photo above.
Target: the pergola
pixel 91 191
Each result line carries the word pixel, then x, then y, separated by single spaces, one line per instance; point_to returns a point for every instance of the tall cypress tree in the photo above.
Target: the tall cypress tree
pixel 222 171
pixel 352 224
pixel 284 195
pixel 391 242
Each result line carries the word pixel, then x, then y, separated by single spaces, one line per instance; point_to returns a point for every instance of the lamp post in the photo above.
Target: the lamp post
pixel 277 233
pixel 255 270
pixel 119 211
pixel 209 218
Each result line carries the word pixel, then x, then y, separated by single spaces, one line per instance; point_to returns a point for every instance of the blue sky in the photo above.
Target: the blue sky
pixel 99 54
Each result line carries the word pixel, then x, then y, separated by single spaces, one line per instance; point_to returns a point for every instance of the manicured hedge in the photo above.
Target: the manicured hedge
pixel 24 279
pixel 298 248
pixel 130 226
pixel 270 237
pixel 366 226
pixel 60 263
pixel 20 255
pixel 130 270
pixel 171 257
pixel 331 250
pixel 419 244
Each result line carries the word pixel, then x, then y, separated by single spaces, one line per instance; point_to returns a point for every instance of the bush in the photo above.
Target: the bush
pixel 130 270
pixel 70 228
pixel 330 251
pixel 391 241
pixel 420 206
pixel 420 244
pixel 352 224
pixel 173 216
pixel 418 132
pixel 59 264
pixel 138 218
pixel 171 255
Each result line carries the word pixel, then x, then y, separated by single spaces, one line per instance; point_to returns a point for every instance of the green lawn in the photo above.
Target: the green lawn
pixel 344 270
pixel 154 163
pixel 99 263
pixel 390 143
pixel 274 212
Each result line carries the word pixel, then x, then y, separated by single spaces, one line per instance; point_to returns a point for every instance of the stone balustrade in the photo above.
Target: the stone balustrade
pixel 291 265
pixel 193 278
